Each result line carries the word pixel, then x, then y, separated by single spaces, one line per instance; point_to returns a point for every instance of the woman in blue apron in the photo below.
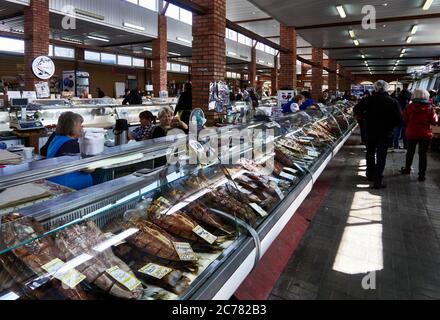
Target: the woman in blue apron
pixel 64 142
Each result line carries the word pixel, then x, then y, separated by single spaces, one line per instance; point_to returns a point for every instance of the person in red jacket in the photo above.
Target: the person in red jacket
pixel 418 117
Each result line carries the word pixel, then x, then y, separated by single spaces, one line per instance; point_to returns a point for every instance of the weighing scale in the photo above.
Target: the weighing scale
pixel 21 122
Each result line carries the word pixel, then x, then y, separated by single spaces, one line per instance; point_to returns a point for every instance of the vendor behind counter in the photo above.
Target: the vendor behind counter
pixel 65 142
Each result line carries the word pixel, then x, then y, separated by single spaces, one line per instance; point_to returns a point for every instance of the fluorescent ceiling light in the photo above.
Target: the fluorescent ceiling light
pixel 148 49
pixel 232 53
pixel 356 42
pixel 363 56
pixel 174 54
pixel 403 50
pixel 133 26
pixel 261 61
pixel 409 39
pixel 427 4
pixel 89 14
pixel 414 29
pixel 183 40
pixel 341 11
pixel 401 55
pixel 270 64
pixel 98 38
pixel 352 34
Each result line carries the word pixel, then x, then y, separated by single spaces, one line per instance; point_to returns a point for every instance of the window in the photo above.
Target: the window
pixel 64 52
pixel 108 58
pixel 124 60
pixel 175 67
pixel 231 35
pixel 138 62
pixel 180 14
pixel 186 16
pixel 184 69
pixel 149 4
pixel 11 45
pixel 173 11
pixel 168 66
pixel 92 56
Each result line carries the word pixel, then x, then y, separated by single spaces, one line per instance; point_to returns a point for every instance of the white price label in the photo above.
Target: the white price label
pixel 185 251
pixel 205 235
pixel 313 153
pixel 110 235
pixel 290 170
pixel 155 270
pixel 127 280
pixel 258 209
pixel 70 278
pixel 287 176
pixel 279 192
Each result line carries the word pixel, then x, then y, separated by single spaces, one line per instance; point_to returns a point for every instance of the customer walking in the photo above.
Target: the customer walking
pixel 382 114
pixel 404 99
pixel 418 117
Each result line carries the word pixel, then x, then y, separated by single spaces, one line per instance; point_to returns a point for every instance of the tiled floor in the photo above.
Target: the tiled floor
pixel 387 240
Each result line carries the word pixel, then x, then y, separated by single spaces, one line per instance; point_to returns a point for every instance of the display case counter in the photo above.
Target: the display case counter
pixel 185 231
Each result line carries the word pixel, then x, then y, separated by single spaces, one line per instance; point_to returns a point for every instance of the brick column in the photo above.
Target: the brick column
pixel 317 77
pixel 274 77
pixel 36 30
pixel 253 68
pixel 160 57
pixel 208 51
pixel 287 78
pixel 332 77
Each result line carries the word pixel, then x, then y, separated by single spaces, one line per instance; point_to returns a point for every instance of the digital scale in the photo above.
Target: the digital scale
pixel 21 122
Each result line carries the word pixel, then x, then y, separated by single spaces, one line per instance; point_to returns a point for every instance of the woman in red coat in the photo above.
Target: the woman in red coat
pixel 418 117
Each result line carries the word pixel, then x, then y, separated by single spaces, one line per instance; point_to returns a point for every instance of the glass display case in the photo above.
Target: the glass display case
pixel 185 231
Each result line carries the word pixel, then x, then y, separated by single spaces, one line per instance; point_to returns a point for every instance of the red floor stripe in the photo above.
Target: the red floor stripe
pixel 260 283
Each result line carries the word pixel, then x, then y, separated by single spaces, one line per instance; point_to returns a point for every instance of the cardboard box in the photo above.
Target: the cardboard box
pixel 435 130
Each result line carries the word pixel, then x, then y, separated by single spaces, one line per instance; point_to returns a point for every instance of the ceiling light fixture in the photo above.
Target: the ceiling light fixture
pixel 363 56
pixel 133 26
pixel 341 11
pixel 404 50
pixel 414 29
pixel 427 4
pixel 98 38
pixel 232 53
pixel 356 42
pixel 401 55
pixel 409 39
pixel 174 54
pixel 351 33
pixel 148 49
pixel 183 40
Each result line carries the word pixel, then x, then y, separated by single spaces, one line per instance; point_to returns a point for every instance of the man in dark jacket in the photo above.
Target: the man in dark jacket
pixel 184 105
pixel 382 114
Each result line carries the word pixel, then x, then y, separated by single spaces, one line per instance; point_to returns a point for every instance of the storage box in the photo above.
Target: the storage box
pixel 435 130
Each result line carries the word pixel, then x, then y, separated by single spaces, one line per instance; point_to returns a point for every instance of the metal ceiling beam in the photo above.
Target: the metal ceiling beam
pixel 131 43
pixel 255 20
pixel 359 22
pixel 190 6
pixel 389 58
pixel 237 28
pixel 433 44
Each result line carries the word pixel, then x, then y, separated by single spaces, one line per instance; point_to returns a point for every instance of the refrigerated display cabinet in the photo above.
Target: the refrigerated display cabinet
pixel 180 232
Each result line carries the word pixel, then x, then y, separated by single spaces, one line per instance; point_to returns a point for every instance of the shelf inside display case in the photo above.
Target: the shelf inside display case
pixel 183 232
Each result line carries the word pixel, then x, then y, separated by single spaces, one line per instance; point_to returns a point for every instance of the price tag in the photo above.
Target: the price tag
pixel 279 192
pixel 239 188
pixel 109 235
pixel 185 251
pixel 205 235
pixel 155 270
pixel 258 209
pixel 124 278
pixel 290 170
pixel 277 181
pixel 70 278
pixel 313 153
pixel 287 176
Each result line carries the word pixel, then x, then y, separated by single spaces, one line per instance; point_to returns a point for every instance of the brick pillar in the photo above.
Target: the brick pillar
pixel 274 77
pixel 160 57
pixel 208 51
pixel 36 30
pixel 317 77
pixel 253 68
pixel 287 77
pixel 332 76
